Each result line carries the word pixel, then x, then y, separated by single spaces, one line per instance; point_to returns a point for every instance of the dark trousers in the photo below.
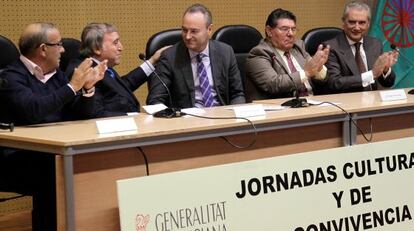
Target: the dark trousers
pixel 31 173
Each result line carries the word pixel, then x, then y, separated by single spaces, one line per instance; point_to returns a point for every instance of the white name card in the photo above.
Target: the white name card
pixel 392 95
pixel 152 109
pixel 116 125
pixel 249 110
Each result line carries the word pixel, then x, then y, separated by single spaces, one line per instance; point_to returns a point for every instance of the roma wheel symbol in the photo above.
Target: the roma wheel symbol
pixel 397 22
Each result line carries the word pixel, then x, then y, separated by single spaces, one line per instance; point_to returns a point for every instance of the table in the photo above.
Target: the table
pixel 88 164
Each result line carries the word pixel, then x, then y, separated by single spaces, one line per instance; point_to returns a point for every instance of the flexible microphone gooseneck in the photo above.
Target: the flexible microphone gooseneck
pixel 5 126
pixel 168 112
pixel 395 48
pixel 297 101
pixel 3 83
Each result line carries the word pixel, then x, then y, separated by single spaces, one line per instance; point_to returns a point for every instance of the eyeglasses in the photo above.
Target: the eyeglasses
pixel 60 43
pixel 286 29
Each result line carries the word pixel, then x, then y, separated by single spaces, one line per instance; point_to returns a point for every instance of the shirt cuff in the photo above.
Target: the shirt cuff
pixel 88 93
pixel 321 74
pixel 74 92
pixel 387 74
pixel 302 75
pixel 147 67
pixel 367 78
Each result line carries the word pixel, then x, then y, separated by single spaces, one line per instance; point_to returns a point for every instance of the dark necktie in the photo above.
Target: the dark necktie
pixel 208 98
pixel 302 89
pixel 358 58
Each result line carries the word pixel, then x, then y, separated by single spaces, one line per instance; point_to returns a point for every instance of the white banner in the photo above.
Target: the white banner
pixel 363 187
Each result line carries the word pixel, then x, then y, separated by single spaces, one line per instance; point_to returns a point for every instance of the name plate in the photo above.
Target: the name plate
pixel 249 110
pixel 392 95
pixel 116 125
pixel 152 109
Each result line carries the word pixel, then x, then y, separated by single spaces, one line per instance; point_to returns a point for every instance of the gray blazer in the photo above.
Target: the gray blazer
pixel 343 72
pixel 267 73
pixel 174 68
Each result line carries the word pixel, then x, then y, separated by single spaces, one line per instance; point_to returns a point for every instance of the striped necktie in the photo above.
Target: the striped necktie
pixel 208 98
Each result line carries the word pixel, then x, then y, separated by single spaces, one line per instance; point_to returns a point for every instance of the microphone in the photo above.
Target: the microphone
pixel 168 112
pixel 395 48
pixel 4 126
pixel 297 101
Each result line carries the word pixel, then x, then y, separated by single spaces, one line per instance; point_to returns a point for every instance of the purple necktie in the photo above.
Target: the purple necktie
pixel 302 89
pixel 208 98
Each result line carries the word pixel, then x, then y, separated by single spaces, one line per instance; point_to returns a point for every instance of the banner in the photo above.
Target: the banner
pixel 393 23
pixel 362 187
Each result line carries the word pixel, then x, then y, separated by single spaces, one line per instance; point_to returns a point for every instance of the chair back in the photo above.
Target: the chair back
pixel 161 39
pixel 316 36
pixel 9 52
pixel 242 38
pixel 72 47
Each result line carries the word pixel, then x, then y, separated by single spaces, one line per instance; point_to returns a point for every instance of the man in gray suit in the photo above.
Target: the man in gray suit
pixel 199 72
pixel 356 61
pixel 279 66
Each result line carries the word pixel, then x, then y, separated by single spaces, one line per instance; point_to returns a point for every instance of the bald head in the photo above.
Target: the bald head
pixel 33 36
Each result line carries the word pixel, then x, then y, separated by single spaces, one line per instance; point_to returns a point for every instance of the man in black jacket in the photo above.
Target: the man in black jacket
pixel 114 94
pixel 38 92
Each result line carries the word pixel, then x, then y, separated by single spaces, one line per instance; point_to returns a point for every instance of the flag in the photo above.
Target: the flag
pixel 393 23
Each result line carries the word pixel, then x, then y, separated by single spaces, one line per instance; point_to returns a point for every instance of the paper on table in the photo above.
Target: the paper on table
pixel 151 109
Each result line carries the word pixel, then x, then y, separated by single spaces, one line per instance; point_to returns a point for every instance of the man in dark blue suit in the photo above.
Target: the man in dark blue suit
pixel 199 72
pixel 38 92
pixel 114 94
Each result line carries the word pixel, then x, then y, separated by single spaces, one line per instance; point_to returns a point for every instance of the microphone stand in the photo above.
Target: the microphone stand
pixel 4 126
pixel 297 101
pixel 395 48
pixel 169 112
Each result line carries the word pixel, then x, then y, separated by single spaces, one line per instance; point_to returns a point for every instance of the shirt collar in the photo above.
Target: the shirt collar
pixel 280 52
pixel 351 42
pixel 35 69
pixel 96 60
pixel 193 54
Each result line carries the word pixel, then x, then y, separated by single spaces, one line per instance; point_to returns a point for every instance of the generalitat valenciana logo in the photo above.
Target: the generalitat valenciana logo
pixel 141 222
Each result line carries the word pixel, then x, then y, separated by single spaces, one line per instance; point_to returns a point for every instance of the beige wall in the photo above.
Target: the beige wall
pixel 138 20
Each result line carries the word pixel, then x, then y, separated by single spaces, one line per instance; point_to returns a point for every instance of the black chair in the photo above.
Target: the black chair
pixel 9 52
pixel 161 39
pixel 242 38
pixel 72 47
pixel 316 36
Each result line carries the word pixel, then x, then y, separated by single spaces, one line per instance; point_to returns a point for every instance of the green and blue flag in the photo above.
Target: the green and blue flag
pixel 393 23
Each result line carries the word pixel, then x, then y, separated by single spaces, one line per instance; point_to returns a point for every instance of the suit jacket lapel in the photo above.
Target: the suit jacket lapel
pixel 346 51
pixel 184 65
pixel 120 88
pixel 126 91
pixel 216 67
pixel 298 56
pixel 369 53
